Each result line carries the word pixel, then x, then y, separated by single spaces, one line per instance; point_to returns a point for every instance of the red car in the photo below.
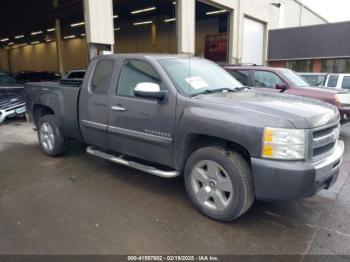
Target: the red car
pixel 282 80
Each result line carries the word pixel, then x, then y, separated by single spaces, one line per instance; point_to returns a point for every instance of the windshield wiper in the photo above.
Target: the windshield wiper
pixel 213 91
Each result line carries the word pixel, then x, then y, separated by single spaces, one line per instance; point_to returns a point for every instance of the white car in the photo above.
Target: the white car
pixel 338 81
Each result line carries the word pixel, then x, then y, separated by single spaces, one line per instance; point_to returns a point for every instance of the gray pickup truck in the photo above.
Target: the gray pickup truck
pixel 170 115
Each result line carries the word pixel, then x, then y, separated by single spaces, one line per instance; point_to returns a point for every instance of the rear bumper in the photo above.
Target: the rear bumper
pixel 279 181
pixel 13 111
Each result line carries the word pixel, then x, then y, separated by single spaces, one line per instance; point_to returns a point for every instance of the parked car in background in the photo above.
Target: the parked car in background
pixel 314 79
pixel 282 80
pixel 12 98
pixel 30 76
pixel 165 116
pixel 338 81
pixel 75 75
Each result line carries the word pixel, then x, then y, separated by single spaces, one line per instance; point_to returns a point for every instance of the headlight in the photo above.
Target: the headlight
pixel 343 99
pixel 284 144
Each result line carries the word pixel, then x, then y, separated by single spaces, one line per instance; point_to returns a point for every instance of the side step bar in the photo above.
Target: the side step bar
pixel 141 167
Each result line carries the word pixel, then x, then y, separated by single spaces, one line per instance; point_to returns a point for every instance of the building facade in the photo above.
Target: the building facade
pixel 320 48
pixel 228 31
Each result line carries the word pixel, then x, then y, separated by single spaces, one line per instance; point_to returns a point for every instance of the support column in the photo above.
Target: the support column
pixel 317 66
pixel 154 37
pixel 186 26
pixel 58 35
pixel 236 34
pixel 9 65
pixel 99 26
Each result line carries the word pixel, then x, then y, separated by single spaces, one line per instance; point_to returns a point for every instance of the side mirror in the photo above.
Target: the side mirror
pixel 149 90
pixel 283 87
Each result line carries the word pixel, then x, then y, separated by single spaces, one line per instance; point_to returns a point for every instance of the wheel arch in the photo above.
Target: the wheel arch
pixel 193 142
pixel 39 111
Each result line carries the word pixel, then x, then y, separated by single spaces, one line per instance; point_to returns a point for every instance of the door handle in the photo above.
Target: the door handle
pixel 118 108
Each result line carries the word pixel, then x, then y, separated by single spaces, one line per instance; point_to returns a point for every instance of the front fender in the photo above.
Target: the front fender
pixel 238 129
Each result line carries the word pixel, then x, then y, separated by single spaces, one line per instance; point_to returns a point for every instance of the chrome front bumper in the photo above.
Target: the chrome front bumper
pixel 12 111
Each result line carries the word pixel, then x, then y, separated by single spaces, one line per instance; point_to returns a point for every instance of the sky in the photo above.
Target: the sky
pixel 332 10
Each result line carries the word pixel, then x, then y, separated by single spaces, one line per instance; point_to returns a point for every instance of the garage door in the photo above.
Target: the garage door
pixel 253 42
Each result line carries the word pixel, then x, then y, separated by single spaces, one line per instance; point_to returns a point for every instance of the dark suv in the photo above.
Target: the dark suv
pixel 282 80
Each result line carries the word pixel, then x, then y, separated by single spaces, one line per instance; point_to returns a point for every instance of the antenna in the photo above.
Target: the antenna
pixel 189 62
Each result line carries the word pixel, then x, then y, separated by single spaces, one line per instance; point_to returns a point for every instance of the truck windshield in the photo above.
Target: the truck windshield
pixel 6 79
pixel 195 76
pixel 293 77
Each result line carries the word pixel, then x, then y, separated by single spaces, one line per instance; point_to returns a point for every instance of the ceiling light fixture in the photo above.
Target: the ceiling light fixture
pixel 170 20
pixel 69 36
pixel 117 29
pixel 19 36
pixel 35 42
pixel 11 43
pixel 36 33
pixel 143 23
pixel 115 16
pixel 4 40
pixel 216 12
pixel 82 35
pixel 143 10
pixel 50 29
pixel 77 24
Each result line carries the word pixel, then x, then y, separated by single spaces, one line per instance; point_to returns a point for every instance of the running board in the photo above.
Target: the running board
pixel 141 167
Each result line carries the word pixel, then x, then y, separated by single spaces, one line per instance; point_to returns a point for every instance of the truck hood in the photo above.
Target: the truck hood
pixel 11 85
pixel 300 112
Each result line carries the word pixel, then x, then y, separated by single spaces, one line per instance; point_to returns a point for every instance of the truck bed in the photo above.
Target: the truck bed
pixel 62 97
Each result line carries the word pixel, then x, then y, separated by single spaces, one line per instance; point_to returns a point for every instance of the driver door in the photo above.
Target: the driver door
pixel 140 127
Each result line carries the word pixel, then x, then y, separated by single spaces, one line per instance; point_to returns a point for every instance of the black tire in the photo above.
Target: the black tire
pixel 59 145
pixel 236 169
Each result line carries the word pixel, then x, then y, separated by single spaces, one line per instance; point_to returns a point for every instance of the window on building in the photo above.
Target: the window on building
pixel 266 79
pixel 102 76
pixel 133 73
pixel 333 80
pixel 335 65
pixel 241 75
pixel 346 82
pixel 300 66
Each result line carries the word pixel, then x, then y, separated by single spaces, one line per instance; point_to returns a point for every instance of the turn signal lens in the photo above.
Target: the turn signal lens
pixel 284 144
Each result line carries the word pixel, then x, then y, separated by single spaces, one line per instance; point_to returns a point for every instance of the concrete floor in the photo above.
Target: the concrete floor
pixel 79 204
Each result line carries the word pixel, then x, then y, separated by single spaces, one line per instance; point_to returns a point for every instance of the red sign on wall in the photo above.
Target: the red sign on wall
pixel 216 47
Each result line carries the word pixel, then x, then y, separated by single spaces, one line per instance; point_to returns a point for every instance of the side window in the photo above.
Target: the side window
pixel 346 82
pixel 312 80
pixel 266 79
pixel 133 73
pixel 241 75
pixel 102 76
pixel 333 80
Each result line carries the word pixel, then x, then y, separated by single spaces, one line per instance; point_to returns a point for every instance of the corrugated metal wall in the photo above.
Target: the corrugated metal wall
pixel 321 41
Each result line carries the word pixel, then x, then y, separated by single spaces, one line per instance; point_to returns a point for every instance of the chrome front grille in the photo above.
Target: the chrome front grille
pixel 324 140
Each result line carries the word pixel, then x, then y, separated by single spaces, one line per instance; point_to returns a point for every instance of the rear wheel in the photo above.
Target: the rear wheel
pixel 219 183
pixel 51 140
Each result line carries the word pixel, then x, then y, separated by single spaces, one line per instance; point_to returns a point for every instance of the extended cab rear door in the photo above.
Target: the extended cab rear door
pixel 141 127
pixel 94 101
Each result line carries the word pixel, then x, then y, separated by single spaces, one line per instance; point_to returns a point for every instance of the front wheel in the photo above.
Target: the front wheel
pixel 51 140
pixel 219 183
